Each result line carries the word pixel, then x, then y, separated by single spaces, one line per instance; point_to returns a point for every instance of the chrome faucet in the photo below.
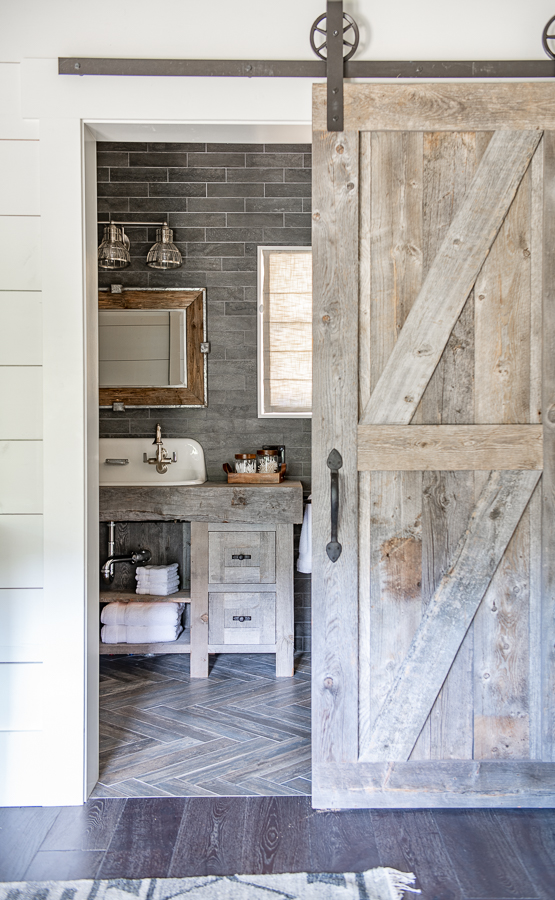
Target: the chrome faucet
pixel 162 459
pixel 136 557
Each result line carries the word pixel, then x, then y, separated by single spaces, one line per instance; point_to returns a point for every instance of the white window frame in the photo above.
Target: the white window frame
pixel 262 413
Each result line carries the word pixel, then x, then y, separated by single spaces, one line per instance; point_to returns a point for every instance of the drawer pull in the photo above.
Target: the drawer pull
pixel 241 618
pixel 241 556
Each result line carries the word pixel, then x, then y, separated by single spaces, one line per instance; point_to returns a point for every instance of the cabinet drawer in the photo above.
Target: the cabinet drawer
pixel 242 557
pixel 242 618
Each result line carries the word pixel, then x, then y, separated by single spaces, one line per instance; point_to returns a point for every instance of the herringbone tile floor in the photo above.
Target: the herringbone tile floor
pixel 241 732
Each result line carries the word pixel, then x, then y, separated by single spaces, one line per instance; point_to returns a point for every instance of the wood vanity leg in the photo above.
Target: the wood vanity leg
pixel 199 600
pixel 285 637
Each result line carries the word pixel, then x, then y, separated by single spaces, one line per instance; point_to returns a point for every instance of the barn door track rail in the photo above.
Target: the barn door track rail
pixel 334 38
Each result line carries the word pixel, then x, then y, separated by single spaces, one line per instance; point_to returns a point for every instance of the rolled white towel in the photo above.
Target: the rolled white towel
pixel 304 562
pixel 142 613
pixel 139 634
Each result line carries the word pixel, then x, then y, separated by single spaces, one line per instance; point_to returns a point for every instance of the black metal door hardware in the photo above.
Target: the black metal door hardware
pixel 335 461
pixel 240 556
pixel 338 39
pixel 333 39
pixel 241 618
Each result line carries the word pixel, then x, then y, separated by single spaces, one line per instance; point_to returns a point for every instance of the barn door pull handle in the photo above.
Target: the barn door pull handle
pixel 335 461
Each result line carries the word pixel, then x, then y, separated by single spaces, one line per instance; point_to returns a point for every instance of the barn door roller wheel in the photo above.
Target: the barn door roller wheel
pixel 545 38
pixel 319 36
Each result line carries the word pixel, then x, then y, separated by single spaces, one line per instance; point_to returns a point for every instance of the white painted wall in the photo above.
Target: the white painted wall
pixel 21 501
pixel 47 190
pixel 214 29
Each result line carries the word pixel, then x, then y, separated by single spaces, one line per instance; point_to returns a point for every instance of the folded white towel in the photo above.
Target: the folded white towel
pixel 141 580
pixel 304 562
pixel 139 634
pixel 157 571
pixel 158 584
pixel 142 613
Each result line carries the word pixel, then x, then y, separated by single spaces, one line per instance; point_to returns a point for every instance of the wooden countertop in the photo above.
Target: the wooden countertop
pixel 213 501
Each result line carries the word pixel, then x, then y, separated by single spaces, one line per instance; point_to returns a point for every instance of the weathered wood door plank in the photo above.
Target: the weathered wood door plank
pixel 436 783
pixel 472 106
pixel 503 348
pixel 547 653
pixel 449 615
pixel 335 395
pixel 450 279
pixel 429 448
pixel 389 524
pixel 450 163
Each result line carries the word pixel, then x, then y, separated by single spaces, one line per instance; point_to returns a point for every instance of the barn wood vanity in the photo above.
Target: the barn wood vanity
pixel 241 565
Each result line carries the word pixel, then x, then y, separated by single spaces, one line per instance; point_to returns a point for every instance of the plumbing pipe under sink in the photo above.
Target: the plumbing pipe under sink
pixel 137 557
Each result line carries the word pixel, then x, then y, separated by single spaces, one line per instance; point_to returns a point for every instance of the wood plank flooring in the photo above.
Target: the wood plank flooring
pixel 455 854
pixel 241 732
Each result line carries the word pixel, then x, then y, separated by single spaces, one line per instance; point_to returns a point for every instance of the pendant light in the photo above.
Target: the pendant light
pixel 113 252
pixel 164 254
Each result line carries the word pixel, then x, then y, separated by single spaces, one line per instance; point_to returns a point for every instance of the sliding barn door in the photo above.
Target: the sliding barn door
pixel 434 304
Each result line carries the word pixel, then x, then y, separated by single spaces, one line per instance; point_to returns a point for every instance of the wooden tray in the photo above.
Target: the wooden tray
pixel 258 478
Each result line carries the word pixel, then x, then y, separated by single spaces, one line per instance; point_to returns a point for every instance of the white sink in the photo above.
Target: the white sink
pixel 189 468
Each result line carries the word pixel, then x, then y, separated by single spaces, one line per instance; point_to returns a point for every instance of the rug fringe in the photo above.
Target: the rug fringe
pixel 384 883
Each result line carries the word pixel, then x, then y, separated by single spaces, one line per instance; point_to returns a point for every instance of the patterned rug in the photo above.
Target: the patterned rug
pixel 375 884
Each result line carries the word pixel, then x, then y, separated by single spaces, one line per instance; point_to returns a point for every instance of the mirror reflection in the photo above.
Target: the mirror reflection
pixel 143 348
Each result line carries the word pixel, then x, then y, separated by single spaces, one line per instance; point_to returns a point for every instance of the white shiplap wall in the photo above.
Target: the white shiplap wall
pixel 21 500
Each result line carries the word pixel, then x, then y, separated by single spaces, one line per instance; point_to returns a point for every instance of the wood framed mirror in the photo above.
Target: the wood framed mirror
pixel 150 350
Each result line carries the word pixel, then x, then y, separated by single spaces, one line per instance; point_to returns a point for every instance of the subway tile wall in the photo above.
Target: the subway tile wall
pixel 223 201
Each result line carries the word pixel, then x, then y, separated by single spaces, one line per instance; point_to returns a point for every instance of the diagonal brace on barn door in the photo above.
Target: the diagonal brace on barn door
pixel 449 615
pixel 450 279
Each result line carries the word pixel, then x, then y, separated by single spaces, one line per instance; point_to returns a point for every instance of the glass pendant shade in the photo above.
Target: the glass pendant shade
pixel 113 252
pixel 164 254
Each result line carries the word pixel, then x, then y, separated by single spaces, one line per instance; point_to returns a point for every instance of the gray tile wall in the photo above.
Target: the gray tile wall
pixel 223 201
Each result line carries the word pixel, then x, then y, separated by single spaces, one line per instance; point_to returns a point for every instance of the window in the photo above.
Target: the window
pixel 284 331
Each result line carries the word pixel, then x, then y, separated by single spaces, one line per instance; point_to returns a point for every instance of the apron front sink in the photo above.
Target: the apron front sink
pixel 121 463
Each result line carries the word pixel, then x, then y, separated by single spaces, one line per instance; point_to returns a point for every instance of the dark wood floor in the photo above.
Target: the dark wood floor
pixel 456 854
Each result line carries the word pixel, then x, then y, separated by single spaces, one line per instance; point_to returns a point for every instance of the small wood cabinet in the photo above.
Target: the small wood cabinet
pixel 241 592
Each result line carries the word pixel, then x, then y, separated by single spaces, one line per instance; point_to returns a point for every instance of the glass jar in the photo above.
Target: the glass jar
pixel 245 463
pixel 279 450
pixel 267 462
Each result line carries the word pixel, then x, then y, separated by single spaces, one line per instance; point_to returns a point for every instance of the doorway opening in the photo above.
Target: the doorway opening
pixel 241 730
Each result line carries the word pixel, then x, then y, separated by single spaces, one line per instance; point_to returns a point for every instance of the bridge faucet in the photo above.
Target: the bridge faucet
pixel 162 459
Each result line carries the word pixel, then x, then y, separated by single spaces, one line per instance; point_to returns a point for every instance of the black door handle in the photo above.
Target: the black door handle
pixel 335 461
